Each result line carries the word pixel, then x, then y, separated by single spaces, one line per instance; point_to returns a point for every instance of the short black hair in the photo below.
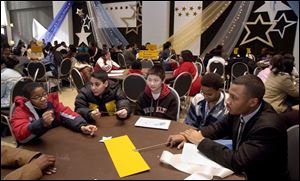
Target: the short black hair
pixel 101 75
pixel 30 87
pixel 187 56
pixel 282 63
pixel 212 80
pixel 158 71
pixel 254 86
pixel 11 62
pixel 242 51
pixel 136 65
pixel 83 57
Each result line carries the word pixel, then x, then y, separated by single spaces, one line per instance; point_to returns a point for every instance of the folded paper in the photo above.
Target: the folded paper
pixel 126 160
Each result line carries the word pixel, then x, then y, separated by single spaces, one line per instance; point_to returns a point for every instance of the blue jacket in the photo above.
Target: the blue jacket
pixel 196 113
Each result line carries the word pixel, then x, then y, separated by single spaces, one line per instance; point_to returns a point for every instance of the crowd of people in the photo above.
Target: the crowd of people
pixel 254 113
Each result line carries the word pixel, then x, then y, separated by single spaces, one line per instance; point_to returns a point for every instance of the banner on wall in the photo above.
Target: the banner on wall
pixel 184 12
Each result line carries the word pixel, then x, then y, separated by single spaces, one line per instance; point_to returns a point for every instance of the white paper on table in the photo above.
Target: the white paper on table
pixel 114 75
pixel 153 123
pixel 117 71
pixel 198 176
pixel 191 154
pixel 105 138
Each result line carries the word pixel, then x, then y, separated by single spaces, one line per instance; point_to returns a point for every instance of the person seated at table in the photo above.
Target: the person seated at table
pixel 9 77
pixel 186 65
pixel 83 66
pixel 258 134
pixel 282 88
pixel 208 106
pixel 105 62
pixel 157 99
pixel 135 68
pixel 101 96
pixel 32 165
pixel 38 111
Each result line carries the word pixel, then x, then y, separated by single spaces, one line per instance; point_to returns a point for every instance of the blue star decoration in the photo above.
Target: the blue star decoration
pixel 281 24
pixel 258 30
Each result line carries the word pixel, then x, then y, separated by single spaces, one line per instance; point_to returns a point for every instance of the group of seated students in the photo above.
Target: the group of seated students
pixel 246 114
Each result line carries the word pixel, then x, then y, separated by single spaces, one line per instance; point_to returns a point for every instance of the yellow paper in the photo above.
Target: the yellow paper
pixel 93 106
pixel 126 160
pixel 111 107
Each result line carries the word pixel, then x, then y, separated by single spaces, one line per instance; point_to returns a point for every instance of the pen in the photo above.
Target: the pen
pixel 150 146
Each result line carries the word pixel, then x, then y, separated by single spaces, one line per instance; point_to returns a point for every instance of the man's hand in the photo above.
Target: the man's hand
pixel 45 163
pixel 122 113
pixel 193 136
pixel 179 139
pixel 48 118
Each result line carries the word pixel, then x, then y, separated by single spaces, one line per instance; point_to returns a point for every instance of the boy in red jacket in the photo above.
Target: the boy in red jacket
pixel 38 111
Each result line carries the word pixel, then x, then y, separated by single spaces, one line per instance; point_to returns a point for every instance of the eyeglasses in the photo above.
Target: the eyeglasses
pixel 45 94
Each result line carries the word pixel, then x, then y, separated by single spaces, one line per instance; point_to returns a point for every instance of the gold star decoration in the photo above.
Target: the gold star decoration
pixel 183 8
pixel 187 13
pixel 79 12
pixel 191 8
pixel 136 15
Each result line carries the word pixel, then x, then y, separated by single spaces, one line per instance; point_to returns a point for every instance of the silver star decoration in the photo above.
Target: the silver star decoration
pixel 272 7
pixel 87 22
pixel 259 18
pixel 83 37
pixel 79 12
pixel 290 23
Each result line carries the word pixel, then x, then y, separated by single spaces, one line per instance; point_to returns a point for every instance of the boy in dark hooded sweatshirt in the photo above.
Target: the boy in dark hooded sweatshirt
pixel 157 99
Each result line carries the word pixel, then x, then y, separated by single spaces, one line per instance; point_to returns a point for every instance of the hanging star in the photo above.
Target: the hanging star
pixel 82 37
pixel 255 30
pixel 272 7
pixel 87 22
pixel 136 15
pixel 281 24
pixel 79 12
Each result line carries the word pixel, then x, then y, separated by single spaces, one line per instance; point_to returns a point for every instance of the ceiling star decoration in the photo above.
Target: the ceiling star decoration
pixel 191 8
pixel 82 37
pixel 183 8
pixel 187 13
pixel 258 30
pixel 281 24
pixel 199 7
pixel 87 22
pixel 136 15
pixel 79 12
pixel 195 13
pixel 272 7
pixel 179 14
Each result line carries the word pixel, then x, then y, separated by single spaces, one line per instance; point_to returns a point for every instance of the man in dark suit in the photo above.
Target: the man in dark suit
pixel 259 136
